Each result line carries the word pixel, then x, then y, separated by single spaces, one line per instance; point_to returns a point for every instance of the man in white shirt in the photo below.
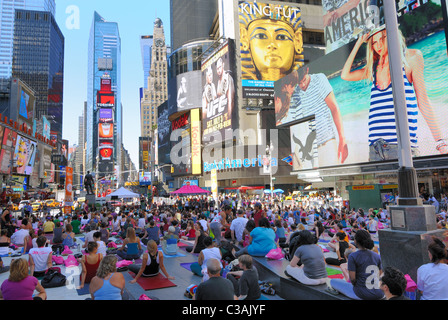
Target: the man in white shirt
pixel 237 226
pixel 18 237
pixel 40 258
pixel 89 235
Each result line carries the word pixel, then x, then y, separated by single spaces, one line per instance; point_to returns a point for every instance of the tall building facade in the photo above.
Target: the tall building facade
pixel 104 60
pixel 157 89
pixel 191 20
pixel 7 14
pixel 146 43
pixel 38 60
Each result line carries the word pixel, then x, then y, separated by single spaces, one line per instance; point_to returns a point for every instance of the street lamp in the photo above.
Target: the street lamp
pixel 269 150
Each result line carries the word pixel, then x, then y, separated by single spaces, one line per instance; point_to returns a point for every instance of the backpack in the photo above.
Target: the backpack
pixel 53 279
pixel 293 245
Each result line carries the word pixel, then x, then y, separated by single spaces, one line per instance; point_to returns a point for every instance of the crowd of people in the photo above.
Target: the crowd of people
pixel 227 236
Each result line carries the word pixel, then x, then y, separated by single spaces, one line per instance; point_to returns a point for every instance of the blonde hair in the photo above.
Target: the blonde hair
pixel 18 270
pixel 107 265
pixel 372 57
pixel 151 246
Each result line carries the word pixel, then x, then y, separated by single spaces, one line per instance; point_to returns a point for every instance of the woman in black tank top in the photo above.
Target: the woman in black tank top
pixel 152 262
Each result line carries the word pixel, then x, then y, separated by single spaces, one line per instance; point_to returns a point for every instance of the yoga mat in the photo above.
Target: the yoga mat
pixel 186 265
pixel 173 256
pixel 153 283
pixel 336 276
pixel 331 271
pixel 83 291
pixel 181 244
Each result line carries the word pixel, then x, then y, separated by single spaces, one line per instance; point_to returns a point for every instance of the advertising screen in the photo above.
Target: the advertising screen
pixel 271 45
pixel 106 99
pixel 5 161
pixel 106 130
pixel 184 92
pixel 345 21
pixel 25 105
pixel 349 94
pixel 24 156
pixel 218 93
pixel 106 115
pixel 46 127
pixel 145 179
pixel 164 131
pixel 9 138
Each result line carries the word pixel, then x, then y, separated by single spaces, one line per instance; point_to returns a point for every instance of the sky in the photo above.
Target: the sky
pixel 135 18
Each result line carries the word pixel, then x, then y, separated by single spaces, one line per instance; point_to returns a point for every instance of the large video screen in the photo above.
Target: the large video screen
pixel 218 93
pixel 24 156
pixel 184 92
pixel 345 21
pixel 271 45
pixel 164 131
pixel 347 94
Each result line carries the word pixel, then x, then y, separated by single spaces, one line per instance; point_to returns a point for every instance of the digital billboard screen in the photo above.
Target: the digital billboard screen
pixel 218 93
pixel 164 131
pixel 345 21
pixel 106 130
pixel 348 92
pixel 106 115
pixel 24 156
pixel 271 45
pixel 106 99
pixel 184 92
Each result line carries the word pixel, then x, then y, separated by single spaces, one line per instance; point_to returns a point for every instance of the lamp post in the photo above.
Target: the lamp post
pixel 269 150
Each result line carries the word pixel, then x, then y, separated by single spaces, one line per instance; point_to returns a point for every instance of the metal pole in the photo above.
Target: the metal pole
pixel 407 177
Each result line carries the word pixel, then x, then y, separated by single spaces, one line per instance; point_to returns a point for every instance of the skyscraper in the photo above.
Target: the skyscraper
pixel 146 43
pixel 191 20
pixel 38 60
pixel 157 88
pixel 7 10
pixel 104 60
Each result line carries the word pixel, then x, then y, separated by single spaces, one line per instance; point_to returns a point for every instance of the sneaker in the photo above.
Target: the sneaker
pixel 332 291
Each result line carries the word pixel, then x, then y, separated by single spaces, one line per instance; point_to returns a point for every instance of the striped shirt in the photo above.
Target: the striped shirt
pixel 382 123
pixel 312 102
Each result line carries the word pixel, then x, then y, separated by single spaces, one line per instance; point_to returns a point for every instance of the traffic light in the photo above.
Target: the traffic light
pixel 172 169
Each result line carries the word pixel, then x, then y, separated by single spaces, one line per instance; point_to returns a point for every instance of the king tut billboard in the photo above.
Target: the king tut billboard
pixel 271 46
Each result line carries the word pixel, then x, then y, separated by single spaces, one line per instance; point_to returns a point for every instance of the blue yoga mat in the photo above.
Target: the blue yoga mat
pixel 173 256
pixel 83 291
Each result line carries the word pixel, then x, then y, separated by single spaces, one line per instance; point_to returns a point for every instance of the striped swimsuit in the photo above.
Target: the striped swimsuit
pixel 382 124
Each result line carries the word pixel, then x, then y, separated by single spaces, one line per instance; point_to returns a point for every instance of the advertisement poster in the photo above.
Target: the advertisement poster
pixel 304 146
pixel 46 127
pixel 68 189
pixel 183 92
pixel 349 94
pixel 347 20
pixel 271 46
pixel 164 131
pixel 196 154
pixel 24 156
pixel 218 94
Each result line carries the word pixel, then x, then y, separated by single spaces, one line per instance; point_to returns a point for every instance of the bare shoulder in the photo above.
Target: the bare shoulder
pixel 414 57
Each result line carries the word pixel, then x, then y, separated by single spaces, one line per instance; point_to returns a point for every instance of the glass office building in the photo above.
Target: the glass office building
pixel 7 11
pixel 38 60
pixel 104 57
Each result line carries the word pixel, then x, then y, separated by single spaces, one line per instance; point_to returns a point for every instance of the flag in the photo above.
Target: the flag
pixel 288 160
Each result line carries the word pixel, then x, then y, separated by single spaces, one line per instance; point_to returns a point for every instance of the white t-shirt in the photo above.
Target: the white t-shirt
pixel 238 226
pixel 18 238
pixel 102 248
pixel 40 258
pixel 141 223
pixel 204 224
pixel 432 280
